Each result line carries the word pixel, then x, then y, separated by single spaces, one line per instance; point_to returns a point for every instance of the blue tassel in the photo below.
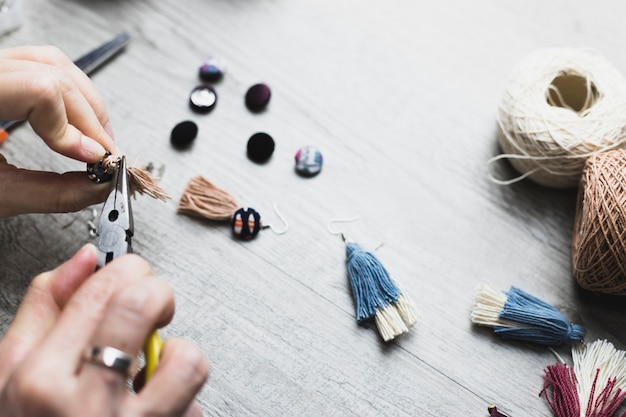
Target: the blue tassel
pixel 521 316
pixel 376 295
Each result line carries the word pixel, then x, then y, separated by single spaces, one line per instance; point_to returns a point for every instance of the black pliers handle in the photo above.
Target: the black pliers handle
pixel 115 228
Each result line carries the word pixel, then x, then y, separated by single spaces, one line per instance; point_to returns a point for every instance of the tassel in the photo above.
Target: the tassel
pixel 203 199
pixel 142 182
pixel 377 296
pixel 517 315
pixel 139 180
pixel 493 411
pixel 594 387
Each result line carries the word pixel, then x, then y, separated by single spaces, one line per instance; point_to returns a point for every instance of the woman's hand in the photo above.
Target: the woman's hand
pixel 42 85
pixel 70 310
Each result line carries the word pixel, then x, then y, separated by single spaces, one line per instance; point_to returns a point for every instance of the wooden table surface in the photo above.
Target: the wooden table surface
pixel 401 97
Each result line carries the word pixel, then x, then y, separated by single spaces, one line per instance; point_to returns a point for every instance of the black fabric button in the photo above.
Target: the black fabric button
pixel 211 69
pixel 203 98
pixel 260 147
pixel 183 134
pixel 257 97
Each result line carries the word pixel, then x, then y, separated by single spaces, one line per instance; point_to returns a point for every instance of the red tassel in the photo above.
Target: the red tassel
pixel 593 387
pixel 559 388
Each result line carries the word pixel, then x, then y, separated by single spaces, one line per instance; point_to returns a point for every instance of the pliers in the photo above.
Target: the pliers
pixel 115 233
pixel 115 228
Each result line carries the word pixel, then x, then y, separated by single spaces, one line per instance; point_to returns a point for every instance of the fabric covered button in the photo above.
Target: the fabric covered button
pixel 260 147
pixel 203 98
pixel 257 97
pixel 183 134
pixel 246 223
pixel 309 161
pixel 97 171
pixel 211 69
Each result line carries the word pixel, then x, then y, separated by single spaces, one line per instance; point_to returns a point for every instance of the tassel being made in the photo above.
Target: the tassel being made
pixel 203 199
pixel 140 180
pixel 517 315
pixel 594 387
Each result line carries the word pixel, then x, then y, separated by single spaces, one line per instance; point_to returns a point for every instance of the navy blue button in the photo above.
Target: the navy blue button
pixel 203 98
pixel 211 69
pixel 257 97
pixel 309 161
pixel 183 134
pixel 260 147
pixel 246 223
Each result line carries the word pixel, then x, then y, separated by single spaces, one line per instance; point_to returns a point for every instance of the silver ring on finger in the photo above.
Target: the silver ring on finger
pixel 112 358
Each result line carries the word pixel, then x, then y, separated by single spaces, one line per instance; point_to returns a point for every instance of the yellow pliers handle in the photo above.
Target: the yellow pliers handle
pixel 152 352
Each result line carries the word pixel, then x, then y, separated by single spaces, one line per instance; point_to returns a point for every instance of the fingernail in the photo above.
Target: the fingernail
pixel 109 130
pixel 89 249
pixel 92 149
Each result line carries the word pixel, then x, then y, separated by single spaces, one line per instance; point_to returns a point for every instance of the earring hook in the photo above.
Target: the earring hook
pixel 282 219
pixel 93 230
pixel 340 220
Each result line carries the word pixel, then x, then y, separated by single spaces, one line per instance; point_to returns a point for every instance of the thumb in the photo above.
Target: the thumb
pixel 42 304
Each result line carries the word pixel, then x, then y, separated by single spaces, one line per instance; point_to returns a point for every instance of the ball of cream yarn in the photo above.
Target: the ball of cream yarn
pixel 561 106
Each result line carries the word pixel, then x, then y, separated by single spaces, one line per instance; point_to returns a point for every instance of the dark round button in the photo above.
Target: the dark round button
pixel 257 97
pixel 203 98
pixel 309 161
pixel 183 134
pixel 211 69
pixel 246 223
pixel 260 147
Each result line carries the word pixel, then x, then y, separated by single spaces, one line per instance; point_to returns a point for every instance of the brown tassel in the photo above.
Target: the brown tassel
pixel 203 199
pixel 139 180
pixel 142 182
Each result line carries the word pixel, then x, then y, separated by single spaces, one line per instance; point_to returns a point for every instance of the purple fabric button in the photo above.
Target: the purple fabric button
pixel 203 98
pixel 211 69
pixel 257 97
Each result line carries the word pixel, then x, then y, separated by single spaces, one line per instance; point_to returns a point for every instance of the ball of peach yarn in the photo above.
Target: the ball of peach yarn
pixel 599 235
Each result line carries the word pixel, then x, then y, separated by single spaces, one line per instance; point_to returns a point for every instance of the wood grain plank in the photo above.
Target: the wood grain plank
pixel 400 96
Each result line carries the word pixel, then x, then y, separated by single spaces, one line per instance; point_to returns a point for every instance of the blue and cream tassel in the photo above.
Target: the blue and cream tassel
pixel 518 315
pixel 376 295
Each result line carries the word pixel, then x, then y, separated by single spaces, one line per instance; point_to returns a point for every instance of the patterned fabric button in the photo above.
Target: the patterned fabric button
pixel 203 98
pixel 183 134
pixel 97 171
pixel 246 223
pixel 309 161
pixel 260 147
pixel 211 69
pixel 257 97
